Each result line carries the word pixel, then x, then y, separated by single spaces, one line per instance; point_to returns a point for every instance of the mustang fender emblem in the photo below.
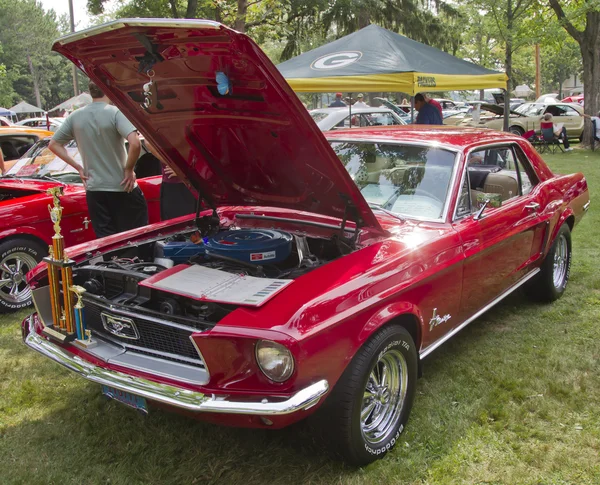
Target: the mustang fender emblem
pixel 437 320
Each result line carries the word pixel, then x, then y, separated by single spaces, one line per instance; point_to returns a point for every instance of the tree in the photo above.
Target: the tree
pixel 561 59
pixel 509 20
pixel 26 35
pixel 582 22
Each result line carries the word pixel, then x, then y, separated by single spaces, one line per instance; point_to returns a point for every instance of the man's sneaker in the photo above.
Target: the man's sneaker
pixel 568 149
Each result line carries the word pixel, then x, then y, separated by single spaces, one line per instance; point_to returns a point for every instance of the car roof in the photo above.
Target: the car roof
pixel 447 136
pixel 24 130
pixel 56 120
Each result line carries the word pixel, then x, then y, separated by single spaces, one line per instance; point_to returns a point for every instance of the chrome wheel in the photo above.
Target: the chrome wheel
pixel 561 261
pixel 384 397
pixel 13 269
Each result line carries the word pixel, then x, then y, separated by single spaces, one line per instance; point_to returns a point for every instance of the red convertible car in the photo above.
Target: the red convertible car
pixel 322 270
pixel 25 225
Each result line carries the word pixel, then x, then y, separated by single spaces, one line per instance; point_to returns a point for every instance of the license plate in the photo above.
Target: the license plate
pixel 131 400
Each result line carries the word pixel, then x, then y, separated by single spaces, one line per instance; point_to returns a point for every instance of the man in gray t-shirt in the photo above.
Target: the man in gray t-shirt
pixel 115 202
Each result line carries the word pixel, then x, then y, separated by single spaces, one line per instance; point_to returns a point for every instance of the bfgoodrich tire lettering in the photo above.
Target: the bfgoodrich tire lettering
pixel 553 277
pixel 17 257
pixel 369 406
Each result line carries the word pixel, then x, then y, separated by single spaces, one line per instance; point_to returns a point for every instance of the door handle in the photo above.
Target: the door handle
pixel 533 207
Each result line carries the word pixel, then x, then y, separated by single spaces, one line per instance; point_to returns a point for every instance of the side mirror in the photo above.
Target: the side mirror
pixel 479 215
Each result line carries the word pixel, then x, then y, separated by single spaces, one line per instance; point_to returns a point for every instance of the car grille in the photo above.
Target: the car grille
pixel 158 338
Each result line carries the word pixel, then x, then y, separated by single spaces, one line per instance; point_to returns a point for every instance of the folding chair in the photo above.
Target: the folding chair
pixel 538 143
pixel 551 140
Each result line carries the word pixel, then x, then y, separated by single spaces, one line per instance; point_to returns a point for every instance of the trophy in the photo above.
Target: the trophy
pixel 84 336
pixel 59 270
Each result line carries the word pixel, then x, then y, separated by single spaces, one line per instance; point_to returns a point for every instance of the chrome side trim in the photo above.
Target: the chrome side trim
pixel 424 353
pixel 586 206
pixel 172 395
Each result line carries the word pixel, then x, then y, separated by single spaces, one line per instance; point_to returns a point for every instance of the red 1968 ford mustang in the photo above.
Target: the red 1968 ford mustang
pixel 318 272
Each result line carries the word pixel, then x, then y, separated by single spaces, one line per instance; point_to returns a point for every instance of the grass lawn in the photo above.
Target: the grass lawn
pixel 513 399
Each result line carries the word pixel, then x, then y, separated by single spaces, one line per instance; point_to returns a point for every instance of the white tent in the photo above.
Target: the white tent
pixel 522 91
pixel 26 108
pixel 78 101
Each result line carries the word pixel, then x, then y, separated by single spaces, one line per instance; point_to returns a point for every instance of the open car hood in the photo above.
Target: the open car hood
pixel 497 109
pixel 255 145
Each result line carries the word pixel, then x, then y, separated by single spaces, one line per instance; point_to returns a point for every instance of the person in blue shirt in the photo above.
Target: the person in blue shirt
pixel 428 114
pixel 338 103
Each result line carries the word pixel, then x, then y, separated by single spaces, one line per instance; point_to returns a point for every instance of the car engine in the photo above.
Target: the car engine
pixel 262 253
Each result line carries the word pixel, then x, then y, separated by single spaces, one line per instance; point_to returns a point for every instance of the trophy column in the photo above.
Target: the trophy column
pixel 63 309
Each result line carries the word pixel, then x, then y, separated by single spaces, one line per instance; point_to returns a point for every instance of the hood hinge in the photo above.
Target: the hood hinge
pixel 350 210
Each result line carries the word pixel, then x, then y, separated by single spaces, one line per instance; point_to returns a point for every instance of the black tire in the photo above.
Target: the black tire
pixel 551 281
pixel 516 130
pixel 340 420
pixel 17 257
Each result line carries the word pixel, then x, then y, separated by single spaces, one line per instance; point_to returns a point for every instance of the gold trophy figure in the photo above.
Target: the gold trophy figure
pixel 59 264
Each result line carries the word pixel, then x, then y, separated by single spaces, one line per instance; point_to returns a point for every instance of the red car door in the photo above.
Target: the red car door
pixel 76 225
pixel 502 244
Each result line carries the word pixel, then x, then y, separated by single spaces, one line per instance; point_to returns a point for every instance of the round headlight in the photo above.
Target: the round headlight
pixel 274 360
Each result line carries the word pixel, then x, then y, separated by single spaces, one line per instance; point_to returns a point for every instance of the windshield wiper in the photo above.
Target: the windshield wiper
pixel 373 205
pixel 45 177
pixel 12 177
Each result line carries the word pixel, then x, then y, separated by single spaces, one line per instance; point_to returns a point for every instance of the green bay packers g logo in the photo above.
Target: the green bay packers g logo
pixel 336 61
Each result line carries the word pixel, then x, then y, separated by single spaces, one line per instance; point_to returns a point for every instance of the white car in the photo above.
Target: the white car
pixel 350 117
pixel 42 123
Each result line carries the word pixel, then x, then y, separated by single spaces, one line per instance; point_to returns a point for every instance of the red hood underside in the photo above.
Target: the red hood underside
pixel 256 145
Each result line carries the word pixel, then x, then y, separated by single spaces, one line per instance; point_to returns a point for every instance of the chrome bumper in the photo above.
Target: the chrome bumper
pixel 171 395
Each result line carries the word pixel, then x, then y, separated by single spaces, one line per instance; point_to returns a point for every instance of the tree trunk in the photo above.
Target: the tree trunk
pixel 192 7
pixel 240 17
pixel 589 44
pixel 36 88
pixel 560 95
pixel 591 85
pixel 508 62
pixel 174 12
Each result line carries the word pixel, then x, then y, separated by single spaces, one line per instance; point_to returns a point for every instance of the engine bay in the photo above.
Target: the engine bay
pixel 117 277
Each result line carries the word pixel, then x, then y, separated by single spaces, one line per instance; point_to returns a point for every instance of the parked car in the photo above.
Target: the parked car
pixel 324 268
pixel 573 99
pixel 4 121
pixel 25 225
pixel 15 141
pixel 528 116
pixel 334 118
pixel 447 104
pixel 514 102
pixel 51 124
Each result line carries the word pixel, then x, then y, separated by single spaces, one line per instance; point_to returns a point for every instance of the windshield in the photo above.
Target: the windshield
pixel 40 162
pixel 408 180
pixel 530 109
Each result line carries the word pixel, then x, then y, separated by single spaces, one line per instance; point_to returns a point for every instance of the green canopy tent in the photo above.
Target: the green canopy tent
pixel 375 59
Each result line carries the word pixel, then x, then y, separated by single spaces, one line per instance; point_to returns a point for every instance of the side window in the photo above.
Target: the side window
pixel 570 111
pixel 463 206
pixel 527 176
pixel 385 119
pixel 493 175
